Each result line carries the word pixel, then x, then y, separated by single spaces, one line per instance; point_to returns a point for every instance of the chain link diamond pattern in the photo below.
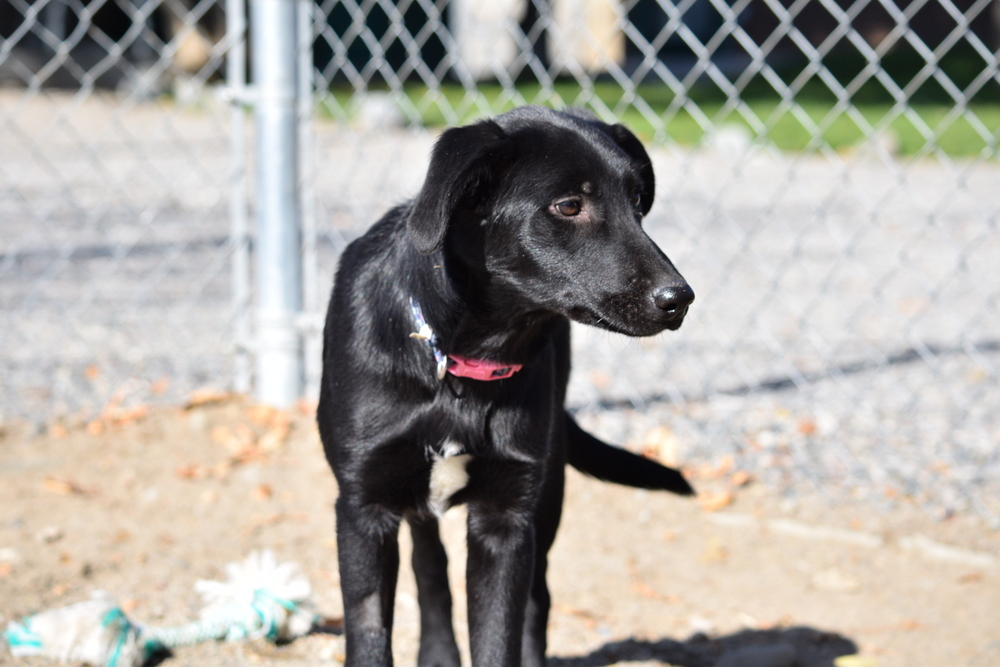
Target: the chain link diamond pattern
pixel 114 231
pixel 844 337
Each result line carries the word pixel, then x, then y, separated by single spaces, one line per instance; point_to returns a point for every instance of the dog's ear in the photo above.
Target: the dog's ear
pixel 629 143
pixel 464 162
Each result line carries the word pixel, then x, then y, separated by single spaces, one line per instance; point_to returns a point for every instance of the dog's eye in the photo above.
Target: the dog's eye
pixel 569 207
pixel 637 200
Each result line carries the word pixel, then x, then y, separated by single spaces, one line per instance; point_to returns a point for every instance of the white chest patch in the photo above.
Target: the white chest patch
pixel 448 476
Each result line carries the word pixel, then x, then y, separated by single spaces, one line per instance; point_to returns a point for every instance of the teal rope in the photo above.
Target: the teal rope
pixel 237 624
pixel 289 606
pixel 155 639
pixel 21 634
pixel 234 622
pixel 117 616
pixel 261 595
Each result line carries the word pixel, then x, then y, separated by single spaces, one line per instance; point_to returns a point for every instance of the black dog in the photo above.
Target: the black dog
pixel 445 367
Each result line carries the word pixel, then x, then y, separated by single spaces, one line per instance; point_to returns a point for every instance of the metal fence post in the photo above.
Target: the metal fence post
pixel 239 233
pixel 310 323
pixel 274 51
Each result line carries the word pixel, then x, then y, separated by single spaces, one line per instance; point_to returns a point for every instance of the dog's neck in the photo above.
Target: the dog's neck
pixel 458 304
pixel 476 369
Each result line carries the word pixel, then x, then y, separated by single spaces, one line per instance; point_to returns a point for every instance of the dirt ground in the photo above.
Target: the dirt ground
pixel 142 503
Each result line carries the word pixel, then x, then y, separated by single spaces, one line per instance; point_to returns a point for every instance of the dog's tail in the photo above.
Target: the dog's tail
pixel 613 464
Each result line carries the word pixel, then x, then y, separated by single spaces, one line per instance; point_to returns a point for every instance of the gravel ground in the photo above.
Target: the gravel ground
pixel 843 343
pixel 144 503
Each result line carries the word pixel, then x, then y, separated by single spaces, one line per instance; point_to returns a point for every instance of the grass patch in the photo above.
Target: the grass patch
pixel 812 121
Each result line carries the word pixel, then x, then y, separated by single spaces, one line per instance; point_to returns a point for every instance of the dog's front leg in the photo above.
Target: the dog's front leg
pixel 368 551
pixel 430 566
pixel 546 522
pixel 499 573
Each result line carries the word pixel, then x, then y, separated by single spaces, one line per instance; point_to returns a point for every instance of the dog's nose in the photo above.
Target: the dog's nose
pixel 673 299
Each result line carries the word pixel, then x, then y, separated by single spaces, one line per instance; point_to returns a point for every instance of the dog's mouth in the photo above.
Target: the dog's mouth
pixel 642 327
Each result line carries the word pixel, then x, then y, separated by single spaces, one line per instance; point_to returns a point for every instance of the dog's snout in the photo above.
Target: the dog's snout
pixel 673 299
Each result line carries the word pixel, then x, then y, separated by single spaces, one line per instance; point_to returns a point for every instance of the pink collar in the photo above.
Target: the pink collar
pixel 477 369
pixel 480 369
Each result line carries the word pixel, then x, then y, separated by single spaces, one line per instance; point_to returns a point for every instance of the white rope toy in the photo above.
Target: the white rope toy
pixel 260 599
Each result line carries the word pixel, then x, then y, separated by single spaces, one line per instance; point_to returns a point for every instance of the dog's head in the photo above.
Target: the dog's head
pixel 547 207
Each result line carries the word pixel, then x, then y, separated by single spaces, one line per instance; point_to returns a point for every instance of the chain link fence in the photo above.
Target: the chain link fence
pixel 827 182
pixel 118 161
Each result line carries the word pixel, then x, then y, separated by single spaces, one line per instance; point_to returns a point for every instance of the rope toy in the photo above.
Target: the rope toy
pixel 259 599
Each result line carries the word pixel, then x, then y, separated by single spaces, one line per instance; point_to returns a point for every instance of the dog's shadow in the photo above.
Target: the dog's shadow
pixel 798 646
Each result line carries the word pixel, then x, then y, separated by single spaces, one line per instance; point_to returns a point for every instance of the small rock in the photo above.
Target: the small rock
pixel 835 580
pixel 50 534
pixel 699 625
pixel 198 421
pixel 771 655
